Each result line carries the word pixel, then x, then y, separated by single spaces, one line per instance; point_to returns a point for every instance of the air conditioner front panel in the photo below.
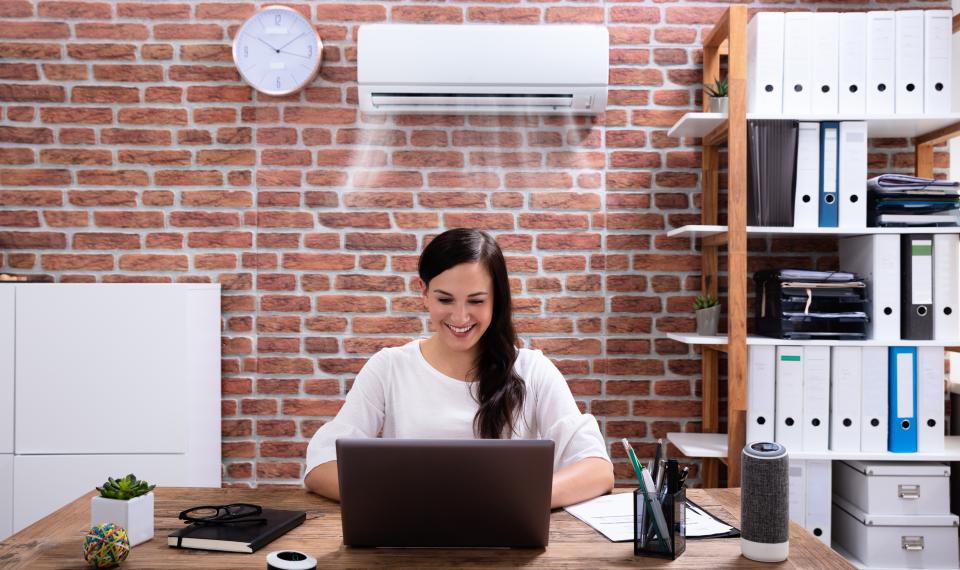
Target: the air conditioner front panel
pixel 386 99
pixel 460 61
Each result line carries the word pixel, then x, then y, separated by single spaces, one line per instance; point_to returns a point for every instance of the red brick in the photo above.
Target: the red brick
pixel 570 14
pixel 187 32
pixel 155 116
pixel 32 92
pixel 34 30
pixel 369 283
pixel 154 11
pixel 503 15
pixel 423 14
pixel 225 11
pixel 487 180
pixel 61 262
pixel 31 198
pixel 19 218
pixel 506 159
pixel 106 241
pixel 188 178
pixel 485 221
pixel 311 407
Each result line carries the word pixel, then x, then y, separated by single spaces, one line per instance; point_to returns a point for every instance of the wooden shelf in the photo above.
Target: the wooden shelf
pixel 878 126
pixel 693 338
pixel 715 445
pixel 703 231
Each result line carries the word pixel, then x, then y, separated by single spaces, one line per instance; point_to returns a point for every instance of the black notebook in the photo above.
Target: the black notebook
pixel 237 537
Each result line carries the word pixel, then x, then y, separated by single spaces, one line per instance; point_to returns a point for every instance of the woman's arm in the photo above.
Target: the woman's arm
pixel 588 478
pixel 323 480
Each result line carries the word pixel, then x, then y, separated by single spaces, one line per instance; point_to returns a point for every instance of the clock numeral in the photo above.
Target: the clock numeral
pixel 310 50
pixel 278 83
pixel 246 51
pixel 276 19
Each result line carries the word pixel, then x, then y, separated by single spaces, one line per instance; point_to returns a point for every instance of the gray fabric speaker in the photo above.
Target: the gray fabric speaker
pixel 764 502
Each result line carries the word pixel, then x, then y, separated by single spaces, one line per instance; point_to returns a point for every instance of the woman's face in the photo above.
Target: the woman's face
pixel 460 303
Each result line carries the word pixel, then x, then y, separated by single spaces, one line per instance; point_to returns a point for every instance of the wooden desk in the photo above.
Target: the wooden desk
pixel 55 541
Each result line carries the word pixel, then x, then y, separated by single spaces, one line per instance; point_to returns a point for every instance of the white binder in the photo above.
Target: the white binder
pixel 816 398
pixel 852 64
pixel 806 206
pixel 825 71
pixel 798 491
pixel 946 287
pixel 761 389
pixel 937 49
pixel 853 175
pixel 909 62
pixel 797 62
pixel 930 399
pixel 845 397
pixel 877 259
pixel 873 402
pixel 789 395
pixel 765 63
pixel 881 28
pixel 819 491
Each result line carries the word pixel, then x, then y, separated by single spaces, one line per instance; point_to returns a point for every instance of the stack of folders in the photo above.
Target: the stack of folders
pixel 847 398
pixel 771 172
pixel 798 304
pixel 912 284
pixel 825 63
pixel 897 200
pixel 831 175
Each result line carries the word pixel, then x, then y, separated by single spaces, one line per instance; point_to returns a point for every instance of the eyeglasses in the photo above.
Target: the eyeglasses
pixel 236 513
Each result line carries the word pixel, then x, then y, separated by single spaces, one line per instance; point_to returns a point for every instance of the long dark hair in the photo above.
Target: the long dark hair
pixel 500 389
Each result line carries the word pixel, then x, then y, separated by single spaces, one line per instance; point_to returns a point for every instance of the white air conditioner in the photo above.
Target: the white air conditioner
pixel 494 69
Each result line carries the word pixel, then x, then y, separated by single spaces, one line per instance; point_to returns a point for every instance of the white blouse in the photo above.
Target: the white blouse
pixel 400 393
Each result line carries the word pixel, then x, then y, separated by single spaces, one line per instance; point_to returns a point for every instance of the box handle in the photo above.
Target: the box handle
pixel 913 543
pixel 909 492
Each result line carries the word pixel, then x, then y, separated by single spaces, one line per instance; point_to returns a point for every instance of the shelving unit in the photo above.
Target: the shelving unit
pixel 721 340
pixel 729 38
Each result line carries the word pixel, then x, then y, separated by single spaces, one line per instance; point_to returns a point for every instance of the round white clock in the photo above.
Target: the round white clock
pixel 277 51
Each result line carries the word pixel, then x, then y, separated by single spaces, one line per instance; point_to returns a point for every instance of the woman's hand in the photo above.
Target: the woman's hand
pixel 585 479
pixel 323 480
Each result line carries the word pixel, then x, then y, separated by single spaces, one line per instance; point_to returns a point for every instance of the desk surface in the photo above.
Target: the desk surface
pixel 55 541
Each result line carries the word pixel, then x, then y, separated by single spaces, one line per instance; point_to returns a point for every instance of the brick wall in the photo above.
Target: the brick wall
pixel 131 151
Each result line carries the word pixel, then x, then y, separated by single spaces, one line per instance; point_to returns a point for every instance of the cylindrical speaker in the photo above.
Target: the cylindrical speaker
pixel 765 502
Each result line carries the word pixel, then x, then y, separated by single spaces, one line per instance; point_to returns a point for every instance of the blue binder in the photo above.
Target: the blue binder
pixel 902 435
pixel 829 215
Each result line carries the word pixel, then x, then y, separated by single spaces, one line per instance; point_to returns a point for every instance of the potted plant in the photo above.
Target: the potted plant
pixel 708 314
pixel 126 502
pixel 718 95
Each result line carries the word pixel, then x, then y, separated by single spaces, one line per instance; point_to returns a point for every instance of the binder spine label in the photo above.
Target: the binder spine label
pixel 921 276
pixel 905 389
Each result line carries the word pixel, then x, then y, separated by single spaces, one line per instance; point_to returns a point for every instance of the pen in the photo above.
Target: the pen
pixel 642 477
pixel 683 475
pixel 656 461
pixel 654 504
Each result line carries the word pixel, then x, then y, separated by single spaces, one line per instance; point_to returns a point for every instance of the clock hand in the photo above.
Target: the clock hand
pixel 266 44
pixel 293 53
pixel 290 42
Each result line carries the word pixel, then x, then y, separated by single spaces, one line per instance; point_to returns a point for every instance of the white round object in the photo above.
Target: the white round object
pixel 764 551
pixel 281 560
pixel 277 51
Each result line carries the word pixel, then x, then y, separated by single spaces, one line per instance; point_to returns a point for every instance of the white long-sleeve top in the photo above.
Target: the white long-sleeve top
pixel 400 393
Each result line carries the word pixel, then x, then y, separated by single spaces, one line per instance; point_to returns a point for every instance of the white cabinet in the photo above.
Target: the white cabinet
pixel 6 495
pixel 105 380
pixel 6 369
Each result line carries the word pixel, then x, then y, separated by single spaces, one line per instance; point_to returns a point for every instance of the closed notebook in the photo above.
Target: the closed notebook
pixel 237 537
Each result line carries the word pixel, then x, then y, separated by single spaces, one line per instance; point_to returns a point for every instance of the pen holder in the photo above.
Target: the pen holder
pixel 646 540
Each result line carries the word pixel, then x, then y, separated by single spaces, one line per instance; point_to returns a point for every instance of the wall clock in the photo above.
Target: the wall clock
pixel 277 51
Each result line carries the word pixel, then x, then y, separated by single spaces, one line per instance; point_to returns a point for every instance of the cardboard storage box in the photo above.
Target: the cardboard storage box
pixel 896 541
pixel 894 488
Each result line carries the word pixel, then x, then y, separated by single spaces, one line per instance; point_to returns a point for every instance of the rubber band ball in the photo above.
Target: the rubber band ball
pixel 106 545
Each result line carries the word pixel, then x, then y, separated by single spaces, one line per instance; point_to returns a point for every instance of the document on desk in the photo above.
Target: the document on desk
pixel 612 516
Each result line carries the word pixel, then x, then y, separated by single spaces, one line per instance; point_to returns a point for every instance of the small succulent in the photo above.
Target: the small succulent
pixel 705 302
pixel 718 89
pixel 125 488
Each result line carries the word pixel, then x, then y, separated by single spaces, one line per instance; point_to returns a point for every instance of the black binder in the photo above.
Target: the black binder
pixel 771 171
pixel 916 287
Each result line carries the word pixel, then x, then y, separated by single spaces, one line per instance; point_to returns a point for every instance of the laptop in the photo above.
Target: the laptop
pixel 445 493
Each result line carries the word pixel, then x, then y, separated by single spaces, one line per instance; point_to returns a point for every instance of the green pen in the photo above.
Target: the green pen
pixel 638 469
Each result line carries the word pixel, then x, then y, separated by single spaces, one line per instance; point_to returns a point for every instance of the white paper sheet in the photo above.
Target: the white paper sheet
pixel 612 516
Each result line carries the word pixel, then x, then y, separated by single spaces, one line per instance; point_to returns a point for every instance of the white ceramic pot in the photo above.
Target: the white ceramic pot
pixel 718 104
pixel 135 515
pixel 708 320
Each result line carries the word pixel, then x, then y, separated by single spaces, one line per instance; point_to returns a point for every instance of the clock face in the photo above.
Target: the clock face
pixel 277 51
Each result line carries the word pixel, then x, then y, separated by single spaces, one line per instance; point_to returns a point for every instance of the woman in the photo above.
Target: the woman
pixel 468 380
